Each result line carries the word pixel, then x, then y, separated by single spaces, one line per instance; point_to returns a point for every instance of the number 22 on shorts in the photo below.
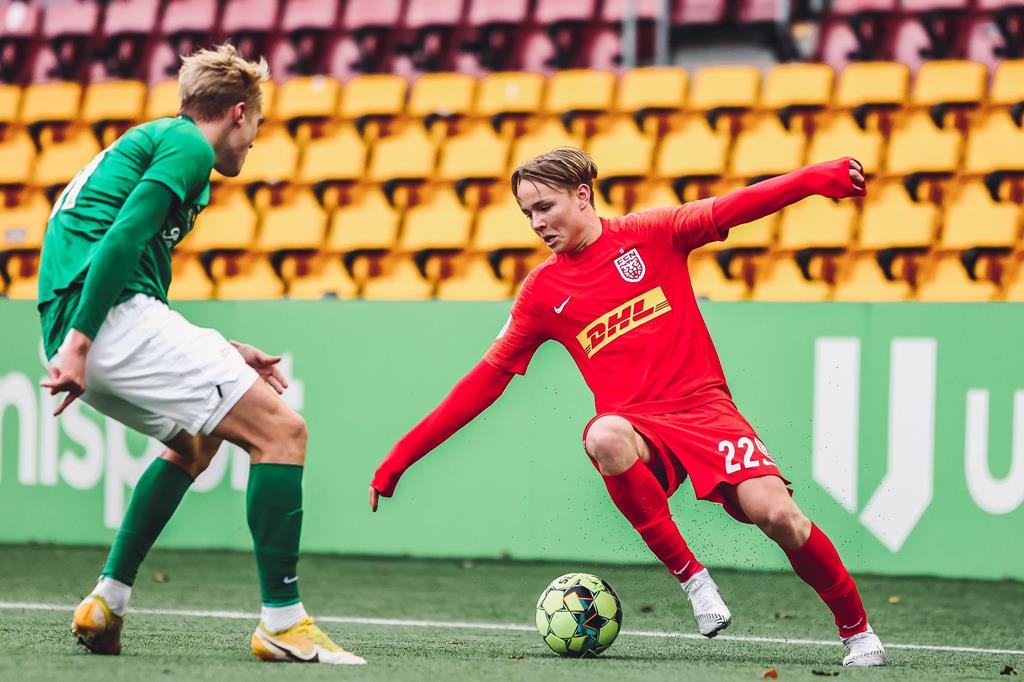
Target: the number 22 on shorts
pixel 728 448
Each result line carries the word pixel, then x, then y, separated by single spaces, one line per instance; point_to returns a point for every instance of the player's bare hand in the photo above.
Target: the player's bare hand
pixel 374 499
pixel 68 372
pixel 857 175
pixel 265 365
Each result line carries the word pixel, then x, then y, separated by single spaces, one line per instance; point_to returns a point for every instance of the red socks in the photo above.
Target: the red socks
pixel 640 498
pixel 818 564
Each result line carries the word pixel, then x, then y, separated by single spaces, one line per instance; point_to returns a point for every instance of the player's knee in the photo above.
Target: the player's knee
pixel 610 440
pixel 293 434
pixel 781 521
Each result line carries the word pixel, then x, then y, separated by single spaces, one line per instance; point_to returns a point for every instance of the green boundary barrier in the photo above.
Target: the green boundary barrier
pixel 901 426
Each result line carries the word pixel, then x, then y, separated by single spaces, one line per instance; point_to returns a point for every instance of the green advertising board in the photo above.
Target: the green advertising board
pixel 900 425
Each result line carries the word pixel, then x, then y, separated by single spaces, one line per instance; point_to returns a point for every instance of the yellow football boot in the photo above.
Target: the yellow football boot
pixel 97 629
pixel 304 642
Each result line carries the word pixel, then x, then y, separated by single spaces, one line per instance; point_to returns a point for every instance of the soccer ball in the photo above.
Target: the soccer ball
pixel 579 615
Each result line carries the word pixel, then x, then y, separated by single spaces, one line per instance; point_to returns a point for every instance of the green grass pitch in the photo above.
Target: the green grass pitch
pixel 35 644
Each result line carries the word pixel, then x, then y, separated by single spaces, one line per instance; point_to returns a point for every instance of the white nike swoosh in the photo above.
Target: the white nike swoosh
pixel 558 309
pixel 289 581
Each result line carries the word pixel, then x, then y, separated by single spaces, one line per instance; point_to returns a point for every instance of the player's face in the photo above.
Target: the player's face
pixel 556 215
pixel 245 124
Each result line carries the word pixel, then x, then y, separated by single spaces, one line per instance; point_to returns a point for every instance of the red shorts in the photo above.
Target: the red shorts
pixel 712 444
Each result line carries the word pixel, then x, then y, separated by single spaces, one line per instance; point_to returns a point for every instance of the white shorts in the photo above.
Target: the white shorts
pixel 154 371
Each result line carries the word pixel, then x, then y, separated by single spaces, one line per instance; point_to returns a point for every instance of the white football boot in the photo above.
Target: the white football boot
pixel 864 650
pixel 709 607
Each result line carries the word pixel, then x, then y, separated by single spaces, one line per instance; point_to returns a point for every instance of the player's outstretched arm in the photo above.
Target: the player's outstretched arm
pixel 113 263
pixel 474 393
pixel 836 179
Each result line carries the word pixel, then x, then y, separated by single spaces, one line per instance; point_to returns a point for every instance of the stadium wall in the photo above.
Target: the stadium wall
pixel 901 426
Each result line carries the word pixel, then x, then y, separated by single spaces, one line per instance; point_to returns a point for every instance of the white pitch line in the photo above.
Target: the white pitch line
pixel 466 625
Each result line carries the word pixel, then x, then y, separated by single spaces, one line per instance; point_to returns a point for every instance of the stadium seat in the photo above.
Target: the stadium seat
pixel 1015 282
pixel 227 225
pixel 407 155
pixel 864 86
pixel 441 222
pixel 127 24
pixel 994 144
pixel 1008 87
pixel 891 220
pixel 189 281
pixel 575 92
pixel 308 15
pixel 840 136
pixel 111 107
pixel 20 21
pixel 319 278
pixel 654 194
pixel 162 100
pixel 542 139
pixel 339 156
pixel 17 159
pixel 369 46
pixel 245 278
pixel 725 88
pixel 23 271
pixel 307 97
pixel 22 226
pixel 652 90
pixel 501 226
pixel 432 23
pixel 55 102
pixel 299 223
pixel 694 150
pixel 782 280
pixel 473 280
pixel 247 17
pixel 10 103
pixel 817 223
pixel 68 27
pixel 945 280
pixel 947 83
pixel 272 159
pixel 767 148
pixel 689 12
pixel 622 151
pixel 758 236
pixel 509 93
pixel 477 154
pixel 797 86
pixel 860 279
pixel 369 223
pixel 58 162
pixel 373 96
pixel 710 282
pixel 189 17
pixel 399 280
pixel 441 96
pixel 917 146
pixel 303 49
pixel 973 220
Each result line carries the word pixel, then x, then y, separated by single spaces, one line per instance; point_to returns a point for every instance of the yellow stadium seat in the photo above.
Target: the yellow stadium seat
pixel 407 155
pixel 695 150
pixel 373 95
pixel 622 151
pixel 188 279
pixel 818 223
pixel 245 278
pixel 767 148
pixel 229 224
pixel 320 277
pixel 710 282
pixel 23 270
pixel 840 136
pixel 440 222
pixel 22 226
pixel 917 146
pixel 474 280
pixel 368 224
pixel 399 280
pixel 10 101
pixel 1015 284
pixel 861 279
pixel 798 85
pixel 442 95
pixel 756 236
pixel 652 88
pixel 783 281
pixel 17 157
pixel 994 143
pixel 606 209
pixel 872 84
pixel 272 159
pixel 725 87
pixel 476 154
pixel 947 280
pixel 655 194
pixel 974 220
pixel 59 162
pixel 268 89
pixel 1007 84
pixel 510 92
pixel 307 97
pixel 162 100
pixel 572 92
pixel 892 220
pixel 949 81
pixel 549 135
pixel 113 101
pixel 502 225
pixel 340 156
pixel 51 102
pixel 299 223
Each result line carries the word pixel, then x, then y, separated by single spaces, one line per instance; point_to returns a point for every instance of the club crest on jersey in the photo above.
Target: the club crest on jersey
pixel 631 266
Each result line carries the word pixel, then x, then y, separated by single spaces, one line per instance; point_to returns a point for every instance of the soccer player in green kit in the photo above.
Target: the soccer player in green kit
pixel 112 341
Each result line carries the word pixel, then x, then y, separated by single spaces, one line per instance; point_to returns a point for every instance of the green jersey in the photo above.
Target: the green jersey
pixel 169 151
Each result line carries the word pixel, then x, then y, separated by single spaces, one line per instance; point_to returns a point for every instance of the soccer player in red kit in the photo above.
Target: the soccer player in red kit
pixel 616 294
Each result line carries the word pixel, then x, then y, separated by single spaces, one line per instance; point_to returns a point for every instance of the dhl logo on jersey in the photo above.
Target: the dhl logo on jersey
pixel 622 320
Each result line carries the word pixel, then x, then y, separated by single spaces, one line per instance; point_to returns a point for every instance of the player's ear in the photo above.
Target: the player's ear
pixel 583 193
pixel 238 113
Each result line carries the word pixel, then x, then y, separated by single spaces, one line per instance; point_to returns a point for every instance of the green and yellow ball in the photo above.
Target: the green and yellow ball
pixel 579 615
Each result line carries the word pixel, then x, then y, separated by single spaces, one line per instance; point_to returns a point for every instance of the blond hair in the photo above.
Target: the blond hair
pixel 564 167
pixel 213 80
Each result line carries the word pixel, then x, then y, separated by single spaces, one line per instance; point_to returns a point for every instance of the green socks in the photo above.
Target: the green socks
pixel 274 505
pixel 156 496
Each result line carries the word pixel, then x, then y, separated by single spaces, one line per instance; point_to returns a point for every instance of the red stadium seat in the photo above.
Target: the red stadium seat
pixel 250 23
pixel 303 50
pixel 759 11
pixel 561 11
pixel 929 5
pixel 126 27
pixel 189 17
pixel 491 12
pixel 305 15
pixel 19 23
pixel 699 12
pixel 615 10
pixel 70 18
pixel 846 7
pixel 421 13
pixel 372 26
pixel 67 26
pixel 362 14
pixel 909 39
pixel 433 23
